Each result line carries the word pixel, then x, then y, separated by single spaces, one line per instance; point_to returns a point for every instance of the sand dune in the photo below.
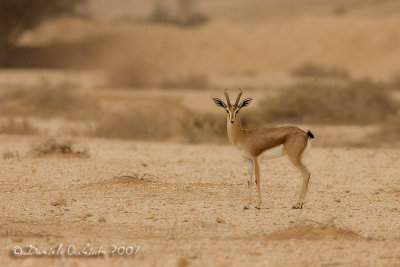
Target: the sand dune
pixel 364 41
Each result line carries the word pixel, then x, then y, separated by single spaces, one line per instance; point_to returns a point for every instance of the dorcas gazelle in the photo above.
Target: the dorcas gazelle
pixel 267 142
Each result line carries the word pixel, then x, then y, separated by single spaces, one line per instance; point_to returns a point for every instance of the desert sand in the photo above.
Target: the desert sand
pixel 183 205
pixel 179 202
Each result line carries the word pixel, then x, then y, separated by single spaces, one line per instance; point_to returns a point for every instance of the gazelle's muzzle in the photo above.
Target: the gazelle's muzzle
pixel 232 115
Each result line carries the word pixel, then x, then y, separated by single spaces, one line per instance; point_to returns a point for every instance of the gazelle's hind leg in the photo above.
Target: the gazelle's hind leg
pixel 250 183
pixel 295 151
pixel 304 187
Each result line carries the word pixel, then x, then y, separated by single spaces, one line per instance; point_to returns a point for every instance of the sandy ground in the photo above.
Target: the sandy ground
pixel 188 208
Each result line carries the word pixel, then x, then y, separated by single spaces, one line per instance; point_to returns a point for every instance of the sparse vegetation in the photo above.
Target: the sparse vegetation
pixel 17 16
pixel 135 74
pixel 20 127
pixel 145 125
pixel 390 130
pixel 316 71
pixel 160 13
pixel 143 73
pixel 191 81
pixel 340 11
pixel 51 146
pixel 47 100
pixel 9 154
pixel 395 82
pixel 135 124
pixel 186 15
pixel 360 101
pixel 203 127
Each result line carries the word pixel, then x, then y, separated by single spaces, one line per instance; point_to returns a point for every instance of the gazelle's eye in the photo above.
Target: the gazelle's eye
pixel 227 111
pixel 236 111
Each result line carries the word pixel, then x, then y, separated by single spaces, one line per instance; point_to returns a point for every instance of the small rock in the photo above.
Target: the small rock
pixel 220 220
pixel 102 220
pixel 182 262
pixel 59 202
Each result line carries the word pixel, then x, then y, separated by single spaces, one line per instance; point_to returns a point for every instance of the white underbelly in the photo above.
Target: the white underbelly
pixel 274 152
pixel 271 153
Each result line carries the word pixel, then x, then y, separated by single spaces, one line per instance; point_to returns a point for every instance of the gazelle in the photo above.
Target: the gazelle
pixel 271 142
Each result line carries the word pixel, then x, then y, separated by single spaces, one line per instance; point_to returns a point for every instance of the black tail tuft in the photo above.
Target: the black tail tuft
pixel 310 135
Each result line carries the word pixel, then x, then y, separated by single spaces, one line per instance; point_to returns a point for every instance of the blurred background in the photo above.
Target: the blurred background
pixel 147 70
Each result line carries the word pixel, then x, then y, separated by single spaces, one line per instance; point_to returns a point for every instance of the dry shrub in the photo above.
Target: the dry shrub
pixel 145 73
pixel 156 121
pixel 21 127
pixel 148 125
pixel 186 15
pixel 339 10
pixel 390 130
pixel 136 74
pixel 147 119
pixel 315 71
pixel 51 146
pixel 160 13
pixel 395 81
pixel 9 155
pixel 191 81
pixel 47 100
pixel 360 101
pixel 203 127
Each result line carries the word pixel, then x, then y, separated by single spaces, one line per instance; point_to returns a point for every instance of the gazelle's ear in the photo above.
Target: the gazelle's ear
pixel 219 102
pixel 245 103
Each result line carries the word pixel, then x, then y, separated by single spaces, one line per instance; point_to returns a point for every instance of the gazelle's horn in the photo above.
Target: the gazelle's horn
pixel 238 97
pixel 227 98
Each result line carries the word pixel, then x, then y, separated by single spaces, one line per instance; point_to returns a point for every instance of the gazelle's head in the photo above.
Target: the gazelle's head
pixel 232 110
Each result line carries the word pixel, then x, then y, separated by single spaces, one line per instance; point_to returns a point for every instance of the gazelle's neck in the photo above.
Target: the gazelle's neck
pixel 235 133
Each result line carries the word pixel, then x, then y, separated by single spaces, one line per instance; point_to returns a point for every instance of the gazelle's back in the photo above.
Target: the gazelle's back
pixel 259 140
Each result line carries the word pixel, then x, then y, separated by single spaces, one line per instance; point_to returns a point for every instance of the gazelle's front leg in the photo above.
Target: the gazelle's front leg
pixel 250 183
pixel 257 174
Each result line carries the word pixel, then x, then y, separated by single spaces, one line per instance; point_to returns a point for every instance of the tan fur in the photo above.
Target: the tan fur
pixel 253 142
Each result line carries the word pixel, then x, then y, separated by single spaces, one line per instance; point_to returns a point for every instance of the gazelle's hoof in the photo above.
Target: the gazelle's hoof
pixel 258 208
pixel 245 208
pixel 298 206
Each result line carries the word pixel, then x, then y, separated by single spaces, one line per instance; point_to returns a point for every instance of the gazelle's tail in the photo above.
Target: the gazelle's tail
pixel 310 135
